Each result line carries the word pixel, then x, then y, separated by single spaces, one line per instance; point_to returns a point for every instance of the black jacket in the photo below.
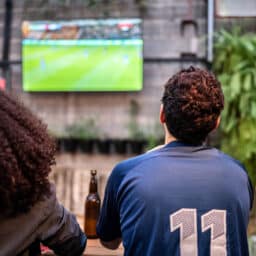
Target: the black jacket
pixel 47 222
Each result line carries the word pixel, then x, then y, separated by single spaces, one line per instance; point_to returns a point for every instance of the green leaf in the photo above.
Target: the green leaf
pixel 240 66
pixel 230 125
pixel 247 82
pixel 235 84
pixel 253 109
pixel 254 78
pixel 244 107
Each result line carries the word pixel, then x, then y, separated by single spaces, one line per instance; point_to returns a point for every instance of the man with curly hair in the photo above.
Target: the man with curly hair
pixel 185 198
pixel 29 210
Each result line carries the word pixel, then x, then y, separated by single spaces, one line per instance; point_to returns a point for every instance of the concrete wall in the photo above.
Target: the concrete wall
pixel 162 39
pixel 72 176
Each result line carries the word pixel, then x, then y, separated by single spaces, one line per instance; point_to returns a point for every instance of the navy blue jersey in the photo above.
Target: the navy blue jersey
pixel 179 200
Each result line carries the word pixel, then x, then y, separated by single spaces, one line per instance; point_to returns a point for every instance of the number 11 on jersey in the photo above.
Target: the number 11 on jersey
pixel 186 221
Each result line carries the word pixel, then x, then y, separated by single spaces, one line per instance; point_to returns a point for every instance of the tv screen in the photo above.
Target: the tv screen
pixel 82 55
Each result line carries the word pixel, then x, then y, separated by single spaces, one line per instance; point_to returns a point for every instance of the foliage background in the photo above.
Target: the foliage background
pixel 235 66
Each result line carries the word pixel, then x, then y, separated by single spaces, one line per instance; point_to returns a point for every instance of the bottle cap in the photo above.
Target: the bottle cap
pixel 93 172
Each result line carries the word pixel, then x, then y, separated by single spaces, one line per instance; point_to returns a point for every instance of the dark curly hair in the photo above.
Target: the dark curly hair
pixel 192 102
pixel 26 155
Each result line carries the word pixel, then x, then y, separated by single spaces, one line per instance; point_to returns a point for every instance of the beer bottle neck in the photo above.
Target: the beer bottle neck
pixel 93 188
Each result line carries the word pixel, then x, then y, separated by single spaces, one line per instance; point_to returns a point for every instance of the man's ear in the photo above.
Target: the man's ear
pixel 162 115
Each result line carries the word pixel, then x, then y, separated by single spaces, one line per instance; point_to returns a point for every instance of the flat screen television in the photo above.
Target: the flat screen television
pixel 82 55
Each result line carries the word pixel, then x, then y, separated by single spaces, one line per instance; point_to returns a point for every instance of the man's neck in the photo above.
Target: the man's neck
pixel 168 137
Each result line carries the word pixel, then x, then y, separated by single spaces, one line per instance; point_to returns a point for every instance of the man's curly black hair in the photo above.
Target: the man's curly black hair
pixel 26 155
pixel 192 102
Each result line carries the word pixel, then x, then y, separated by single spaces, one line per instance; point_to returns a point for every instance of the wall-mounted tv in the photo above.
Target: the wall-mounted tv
pixel 82 55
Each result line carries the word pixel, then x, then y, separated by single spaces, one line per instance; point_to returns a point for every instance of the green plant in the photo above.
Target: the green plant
pixel 235 66
pixel 154 136
pixel 135 131
pixel 85 129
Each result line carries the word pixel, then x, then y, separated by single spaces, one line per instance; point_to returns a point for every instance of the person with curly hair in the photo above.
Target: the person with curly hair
pixel 184 198
pixel 30 213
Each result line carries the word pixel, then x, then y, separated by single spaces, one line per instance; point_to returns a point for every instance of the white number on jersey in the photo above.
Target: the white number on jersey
pixel 185 220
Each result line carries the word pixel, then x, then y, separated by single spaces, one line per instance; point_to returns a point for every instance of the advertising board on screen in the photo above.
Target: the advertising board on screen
pixel 82 55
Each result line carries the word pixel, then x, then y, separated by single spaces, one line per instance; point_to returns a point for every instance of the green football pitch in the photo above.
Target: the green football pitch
pixel 82 68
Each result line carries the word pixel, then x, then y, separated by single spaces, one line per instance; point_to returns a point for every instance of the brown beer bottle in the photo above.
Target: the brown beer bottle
pixel 92 207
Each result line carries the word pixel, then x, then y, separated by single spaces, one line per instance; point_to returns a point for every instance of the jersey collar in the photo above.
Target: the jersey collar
pixel 178 143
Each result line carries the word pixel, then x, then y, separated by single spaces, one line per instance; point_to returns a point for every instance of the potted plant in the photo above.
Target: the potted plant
pixel 120 146
pixel 58 139
pixel 67 144
pixel 137 140
pixel 83 134
pixel 154 136
pixel 104 146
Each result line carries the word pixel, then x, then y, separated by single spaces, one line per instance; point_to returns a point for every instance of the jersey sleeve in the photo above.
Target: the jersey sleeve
pixel 108 227
pixel 60 231
pixel 250 186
